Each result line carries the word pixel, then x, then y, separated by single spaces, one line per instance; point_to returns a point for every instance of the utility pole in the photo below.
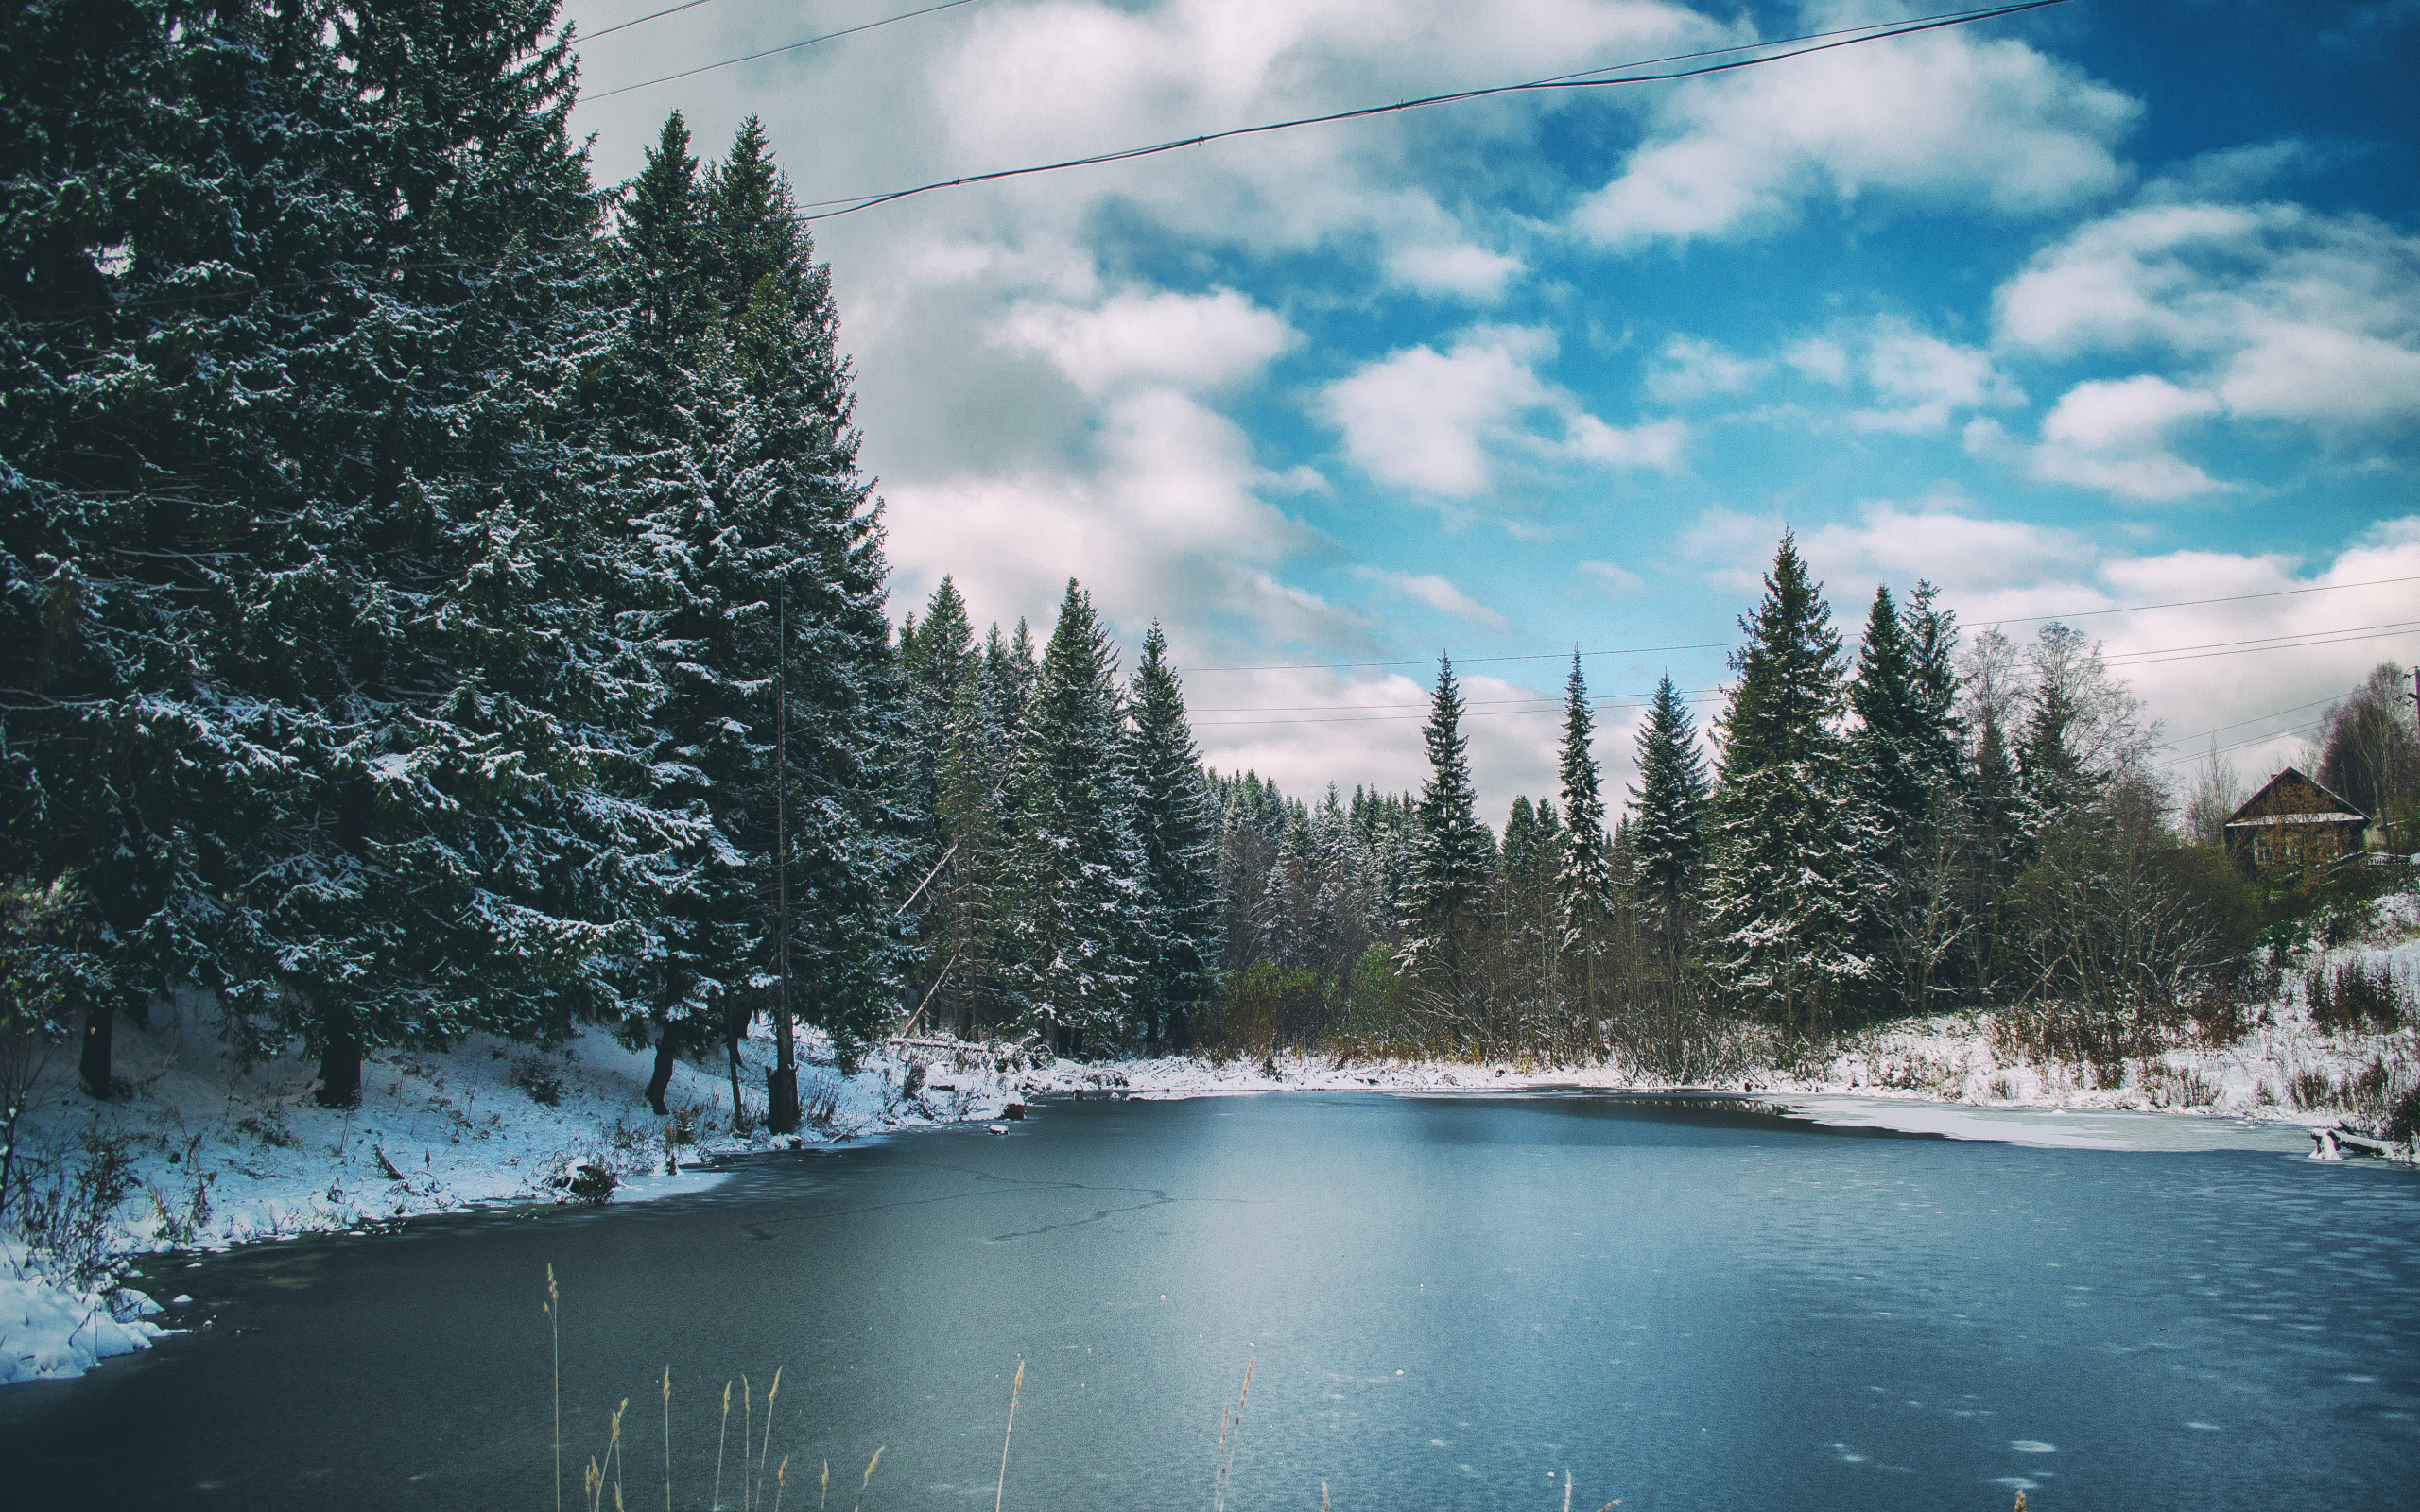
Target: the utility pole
pixel 781 1083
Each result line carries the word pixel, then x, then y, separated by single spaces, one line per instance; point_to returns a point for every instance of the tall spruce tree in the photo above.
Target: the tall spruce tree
pixel 1179 946
pixel 1453 856
pixel 1667 820
pixel 1583 889
pixel 1783 889
pixel 1077 914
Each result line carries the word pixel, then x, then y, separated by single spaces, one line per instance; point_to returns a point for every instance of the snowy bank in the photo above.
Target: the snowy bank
pixel 50 1329
pixel 207 1152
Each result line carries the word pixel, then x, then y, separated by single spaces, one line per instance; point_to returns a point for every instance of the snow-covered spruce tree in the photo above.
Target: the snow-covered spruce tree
pixel 1667 816
pixel 665 401
pixel 938 664
pixel 1584 884
pixel 1782 890
pixel 1075 915
pixel 408 813
pixel 1340 900
pixel 1452 861
pixel 477 848
pixel 1904 757
pixel 812 538
pixel 1173 820
pixel 160 264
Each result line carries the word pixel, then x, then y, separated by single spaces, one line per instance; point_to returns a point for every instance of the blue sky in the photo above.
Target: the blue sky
pixel 2107 304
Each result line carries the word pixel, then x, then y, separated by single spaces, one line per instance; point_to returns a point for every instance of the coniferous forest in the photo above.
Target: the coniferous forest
pixel 442 597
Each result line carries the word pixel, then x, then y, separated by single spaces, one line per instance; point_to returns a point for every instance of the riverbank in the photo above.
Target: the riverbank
pixel 205 1152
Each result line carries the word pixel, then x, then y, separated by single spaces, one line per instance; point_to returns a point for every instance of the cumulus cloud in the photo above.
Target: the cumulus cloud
pixel 1469 272
pixel 2277 311
pixel 1692 368
pixel 2115 437
pixel 1161 520
pixel 1192 342
pixel 1435 421
pixel 1923 378
pixel 1947 117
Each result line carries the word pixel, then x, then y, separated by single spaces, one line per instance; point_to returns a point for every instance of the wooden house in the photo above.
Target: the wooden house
pixel 2294 822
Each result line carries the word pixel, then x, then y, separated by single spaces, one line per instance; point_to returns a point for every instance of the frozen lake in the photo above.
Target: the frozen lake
pixel 1451 1301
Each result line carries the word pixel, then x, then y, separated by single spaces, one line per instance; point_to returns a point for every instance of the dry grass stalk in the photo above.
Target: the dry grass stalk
pixel 555 1322
pixel 868 1480
pixel 1231 1427
pixel 1002 1489
pixel 721 1439
pixel 765 1452
pixel 781 1479
pixel 667 1438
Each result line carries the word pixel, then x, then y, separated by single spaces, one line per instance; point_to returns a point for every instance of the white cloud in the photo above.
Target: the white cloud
pixel 1691 368
pixel 1437 593
pixel 1434 420
pixel 2114 437
pixel 1192 342
pixel 1924 378
pixel 1159 519
pixel 1617 579
pixel 1947 117
pixel 1457 268
pixel 2280 312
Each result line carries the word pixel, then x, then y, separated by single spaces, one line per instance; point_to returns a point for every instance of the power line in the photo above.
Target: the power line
pixel 789 47
pixel 1565 81
pixel 1466 661
pixel 1730 645
pixel 641 20
pixel 2189 602
pixel 1547 705
pixel 2273 714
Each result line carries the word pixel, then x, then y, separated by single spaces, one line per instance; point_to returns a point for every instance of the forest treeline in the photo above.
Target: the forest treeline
pixel 1926 823
pixel 438 596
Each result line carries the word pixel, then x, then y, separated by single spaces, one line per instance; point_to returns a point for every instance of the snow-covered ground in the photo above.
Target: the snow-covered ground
pixel 217 1153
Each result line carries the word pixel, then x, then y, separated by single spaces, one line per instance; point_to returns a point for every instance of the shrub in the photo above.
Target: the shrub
pixel 2403 1118
pixel 2309 1092
pixel 538 1076
pixel 270 1129
pixel 2356 995
pixel 63 1207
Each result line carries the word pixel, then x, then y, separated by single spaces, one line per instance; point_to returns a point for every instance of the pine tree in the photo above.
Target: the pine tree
pixel 1783 887
pixel 1584 884
pixel 1453 856
pixel 1666 822
pixel 1077 912
pixel 1904 769
pixel 1178 832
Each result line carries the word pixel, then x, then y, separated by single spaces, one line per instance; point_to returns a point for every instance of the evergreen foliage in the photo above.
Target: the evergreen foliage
pixel 1180 945
pixel 1784 900
pixel 1585 884
pixel 1666 816
pixel 1453 857
pixel 1078 921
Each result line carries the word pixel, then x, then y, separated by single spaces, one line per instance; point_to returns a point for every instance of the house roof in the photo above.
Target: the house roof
pixel 2291 797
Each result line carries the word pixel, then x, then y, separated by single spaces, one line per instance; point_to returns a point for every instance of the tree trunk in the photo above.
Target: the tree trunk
pixel 100 1025
pixel 739 1109
pixel 781 1099
pixel 339 1062
pixel 661 1081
